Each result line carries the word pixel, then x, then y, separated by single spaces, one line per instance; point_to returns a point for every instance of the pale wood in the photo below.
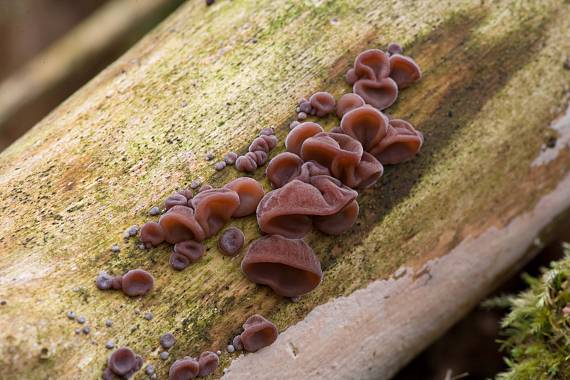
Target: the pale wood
pixel 198 83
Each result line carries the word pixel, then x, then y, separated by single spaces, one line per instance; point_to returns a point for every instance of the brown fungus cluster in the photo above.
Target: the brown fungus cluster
pixel 122 364
pixel 184 369
pixel 231 241
pixel 134 283
pixel 258 152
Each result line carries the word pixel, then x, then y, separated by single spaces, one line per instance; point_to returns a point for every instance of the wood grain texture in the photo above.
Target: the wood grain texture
pixel 208 79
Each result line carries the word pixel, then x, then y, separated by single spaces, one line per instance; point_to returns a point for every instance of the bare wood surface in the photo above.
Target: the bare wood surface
pixel 209 79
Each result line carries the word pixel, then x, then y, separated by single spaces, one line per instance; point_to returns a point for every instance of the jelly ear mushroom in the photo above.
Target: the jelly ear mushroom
pixel 151 234
pixel 186 253
pixel 372 64
pixel 231 241
pixel 404 70
pixel 180 224
pixel 124 362
pixel 338 223
pixel 180 198
pixel 366 125
pixel 380 94
pixel 184 369
pixel 347 103
pixel 288 266
pixel 258 333
pixel 323 103
pixel 137 282
pixel 299 134
pixel 249 192
pixel 401 143
pixel 214 208
pixel 283 168
pixel 207 363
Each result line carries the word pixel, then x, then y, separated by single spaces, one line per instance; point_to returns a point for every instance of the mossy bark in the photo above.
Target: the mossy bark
pixel 208 79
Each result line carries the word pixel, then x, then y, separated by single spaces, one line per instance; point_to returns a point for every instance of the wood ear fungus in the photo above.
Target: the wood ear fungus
pixel 297 136
pixel 124 362
pixel 207 363
pixel 214 208
pixel 372 64
pixel 137 282
pixel 347 103
pixel 404 70
pixel 323 103
pixel 180 224
pixel 151 234
pixel 366 124
pixel 258 333
pixel 231 241
pixel 286 167
pixel 249 192
pixel 401 143
pixel 184 369
pixel 180 198
pixel 380 93
pixel 288 266
pixel 186 253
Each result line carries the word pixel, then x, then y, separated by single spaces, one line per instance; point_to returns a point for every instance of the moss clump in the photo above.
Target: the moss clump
pixel 537 329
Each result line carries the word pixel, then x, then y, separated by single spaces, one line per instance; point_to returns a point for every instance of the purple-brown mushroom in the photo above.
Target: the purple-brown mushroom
pixel 347 103
pixel 184 369
pixel 180 224
pixel 288 266
pixel 180 198
pixel 231 241
pixel 401 143
pixel 380 94
pixel 404 70
pixel 208 362
pixel 323 103
pixel 283 168
pixel 372 64
pixel 186 253
pixel 214 208
pixel 137 282
pixel 258 333
pixel 344 157
pixel 249 192
pixel 366 124
pixel 151 234
pixel 124 362
pixel 394 48
pixel 297 136
pixel 246 163
pixel 338 223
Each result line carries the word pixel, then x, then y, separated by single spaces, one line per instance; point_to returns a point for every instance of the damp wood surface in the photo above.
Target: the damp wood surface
pixel 208 79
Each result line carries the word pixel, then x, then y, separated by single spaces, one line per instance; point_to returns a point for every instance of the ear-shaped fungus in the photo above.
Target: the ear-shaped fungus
pixel 338 223
pixel 288 266
pixel 208 362
pixel 297 136
pixel 186 253
pixel 246 163
pixel 344 157
pixel 378 93
pixel 124 362
pixel 250 193
pixel 401 143
pixel 365 124
pixel 180 198
pixel 288 211
pixel 372 64
pixel 180 224
pixel 286 167
pixel 184 369
pixel 214 208
pixel 323 103
pixel 264 143
pixel 258 333
pixel 347 103
pixel 137 282
pixel 231 241
pixel 151 234
pixel 404 70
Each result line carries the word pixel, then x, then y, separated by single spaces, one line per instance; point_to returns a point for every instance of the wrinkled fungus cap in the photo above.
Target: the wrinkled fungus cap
pixel 208 362
pixel 323 103
pixel 297 136
pixel 180 224
pixel 214 208
pixel 401 143
pixel 184 369
pixel 347 103
pixel 380 94
pixel 404 70
pixel 249 192
pixel 151 234
pixel 258 333
pixel 137 282
pixel 124 362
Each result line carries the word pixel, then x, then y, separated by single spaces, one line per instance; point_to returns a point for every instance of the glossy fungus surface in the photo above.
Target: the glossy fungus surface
pixel 180 198
pixel 104 281
pixel 401 143
pixel 231 241
pixel 258 333
pixel 208 362
pixel 137 282
pixel 347 103
pixel 323 103
pixel 214 208
pixel 338 223
pixel 288 266
pixel 297 136
pixel 283 168
pixel 378 93
pixel 124 362
pixel 365 124
pixel 404 70
pixel 186 253
pixel 180 224
pixel 372 64
pixel 184 369
pixel 151 234
pixel 249 192
pixel 246 164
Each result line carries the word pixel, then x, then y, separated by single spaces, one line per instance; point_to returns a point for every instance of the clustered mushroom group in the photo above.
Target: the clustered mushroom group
pixel 315 183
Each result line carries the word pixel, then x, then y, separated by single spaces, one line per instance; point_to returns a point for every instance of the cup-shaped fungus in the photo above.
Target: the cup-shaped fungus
pixel 297 136
pixel 180 224
pixel 208 362
pixel 372 64
pixel 394 48
pixel 401 143
pixel 184 369
pixel 231 241
pixel 247 163
pixel 137 282
pixel 186 253
pixel 151 234
pixel 288 266
pixel 323 103
pixel 343 156
pixel 366 125
pixel 214 208
pixel 404 70
pixel 264 143
pixel 249 192
pixel 258 333
pixel 283 168
pixel 338 223
pixel 124 362
pixel 180 198
pixel 347 103
pixel 378 93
